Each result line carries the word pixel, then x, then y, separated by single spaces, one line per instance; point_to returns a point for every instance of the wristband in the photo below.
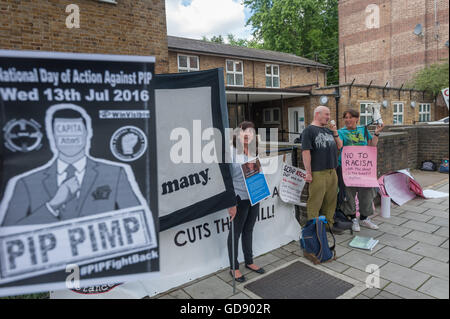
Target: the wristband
pixel 377 134
pixel 336 136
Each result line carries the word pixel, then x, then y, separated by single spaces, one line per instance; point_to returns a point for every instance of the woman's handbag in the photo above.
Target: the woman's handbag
pixel 314 241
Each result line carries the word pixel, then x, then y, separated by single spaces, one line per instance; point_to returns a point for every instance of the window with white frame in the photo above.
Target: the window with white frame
pixel 272 115
pixel 398 113
pixel 272 76
pixel 424 112
pixel 235 73
pixel 187 63
pixel 364 116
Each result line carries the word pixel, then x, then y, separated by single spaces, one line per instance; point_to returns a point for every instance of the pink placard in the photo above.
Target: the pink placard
pixel 359 166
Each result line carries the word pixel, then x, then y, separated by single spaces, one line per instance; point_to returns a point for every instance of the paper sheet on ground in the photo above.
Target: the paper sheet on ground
pixel 430 193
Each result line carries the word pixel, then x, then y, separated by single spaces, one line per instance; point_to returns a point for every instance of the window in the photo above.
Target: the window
pixel 398 113
pixel 187 63
pixel 364 116
pixel 424 112
pixel 235 73
pixel 272 116
pixel 272 76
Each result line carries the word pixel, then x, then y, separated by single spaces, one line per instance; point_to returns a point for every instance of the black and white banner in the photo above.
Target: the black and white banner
pixel 194 176
pixel 78 167
pixel 198 247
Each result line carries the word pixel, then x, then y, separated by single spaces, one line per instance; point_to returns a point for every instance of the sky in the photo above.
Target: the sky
pixel 197 18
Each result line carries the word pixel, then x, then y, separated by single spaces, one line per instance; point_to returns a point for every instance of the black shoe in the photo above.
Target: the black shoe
pixel 335 230
pixel 259 271
pixel 238 279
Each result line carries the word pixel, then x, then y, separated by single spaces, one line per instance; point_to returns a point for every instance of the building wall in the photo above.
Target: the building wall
pixel 390 52
pixel 254 71
pixel 129 27
pixel 351 97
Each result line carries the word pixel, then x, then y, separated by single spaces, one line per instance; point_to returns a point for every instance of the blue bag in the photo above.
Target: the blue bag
pixel 443 168
pixel 314 241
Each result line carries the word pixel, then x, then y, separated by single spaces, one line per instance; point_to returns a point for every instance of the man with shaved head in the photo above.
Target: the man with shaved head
pixel 320 145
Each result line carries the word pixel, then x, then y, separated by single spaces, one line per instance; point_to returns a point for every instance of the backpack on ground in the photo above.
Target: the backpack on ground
pixel 314 241
pixel 428 165
pixel 443 168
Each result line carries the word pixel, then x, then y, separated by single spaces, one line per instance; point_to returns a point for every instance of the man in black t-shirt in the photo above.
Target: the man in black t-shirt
pixel 320 146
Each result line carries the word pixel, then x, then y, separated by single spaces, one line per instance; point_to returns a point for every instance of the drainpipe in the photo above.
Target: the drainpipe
pixel 337 96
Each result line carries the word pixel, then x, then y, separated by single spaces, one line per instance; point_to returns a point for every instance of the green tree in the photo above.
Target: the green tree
pixel 432 79
pixel 307 28
pixel 232 40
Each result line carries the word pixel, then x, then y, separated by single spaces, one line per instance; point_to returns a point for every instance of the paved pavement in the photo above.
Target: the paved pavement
pixel 412 256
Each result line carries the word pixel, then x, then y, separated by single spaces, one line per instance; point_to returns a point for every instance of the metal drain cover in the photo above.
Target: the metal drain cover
pixel 299 281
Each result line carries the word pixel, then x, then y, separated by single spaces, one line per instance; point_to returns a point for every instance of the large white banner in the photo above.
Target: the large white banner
pixel 199 247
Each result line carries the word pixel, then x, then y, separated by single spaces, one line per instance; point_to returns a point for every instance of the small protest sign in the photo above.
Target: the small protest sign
pixel 255 181
pixel 359 166
pixel 292 184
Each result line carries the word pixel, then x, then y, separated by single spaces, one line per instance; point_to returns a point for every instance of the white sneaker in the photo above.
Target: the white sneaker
pixel 368 223
pixel 355 226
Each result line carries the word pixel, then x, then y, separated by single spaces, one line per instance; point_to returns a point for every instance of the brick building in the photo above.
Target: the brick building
pixel 272 89
pixel 127 27
pixel 377 40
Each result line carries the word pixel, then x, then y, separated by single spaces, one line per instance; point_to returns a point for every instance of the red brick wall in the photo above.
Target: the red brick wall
pixel 391 52
pixel 129 27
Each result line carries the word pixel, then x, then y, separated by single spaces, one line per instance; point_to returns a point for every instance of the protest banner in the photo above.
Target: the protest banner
pixel 359 166
pixel 78 170
pixel 292 184
pixel 198 247
pixel 255 181
pixel 194 178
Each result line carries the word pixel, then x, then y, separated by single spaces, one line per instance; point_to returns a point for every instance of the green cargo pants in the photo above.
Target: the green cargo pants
pixel 323 191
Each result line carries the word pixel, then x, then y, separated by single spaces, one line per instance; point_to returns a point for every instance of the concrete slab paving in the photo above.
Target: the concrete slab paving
pixel 436 287
pixel 412 254
pixel 404 292
pixel 362 276
pixel 427 238
pixel 336 266
pixel 439 221
pixel 360 260
pixel 443 231
pixel 425 227
pixel 421 217
pixel 398 256
pixel 371 292
pixel 431 205
pixel 395 220
pixel 427 250
pixel 432 267
pixel 394 230
pixel 403 276
pixel 436 212
pixel 396 241
pixel 210 288
pixel 386 295
pixel 416 209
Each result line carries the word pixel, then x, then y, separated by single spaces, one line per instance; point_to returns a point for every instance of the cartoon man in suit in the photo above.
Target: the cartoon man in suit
pixel 72 184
